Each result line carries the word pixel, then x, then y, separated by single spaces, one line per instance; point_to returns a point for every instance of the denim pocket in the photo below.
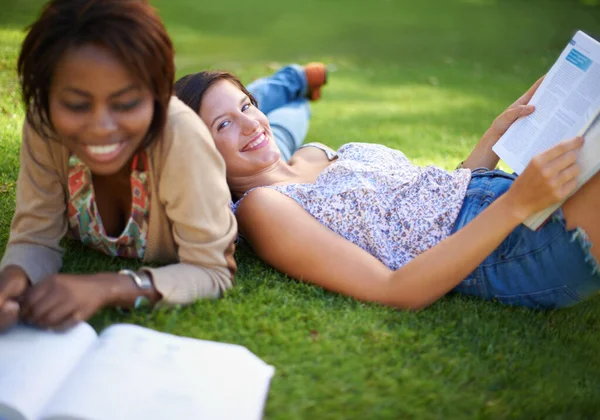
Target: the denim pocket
pixel 471 285
pixel 468 282
pixel 476 199
pixel 525 243
pixel 558 297
pixel 496 173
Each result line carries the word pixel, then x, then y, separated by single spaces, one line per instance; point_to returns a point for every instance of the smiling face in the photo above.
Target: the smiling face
pixel 241 131
pixel 99 110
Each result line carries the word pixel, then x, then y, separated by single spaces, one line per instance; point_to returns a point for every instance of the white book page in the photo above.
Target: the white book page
pixel 590 153
pixel 33 363
pixel 589 158
pixel 569 93
pixel 136 373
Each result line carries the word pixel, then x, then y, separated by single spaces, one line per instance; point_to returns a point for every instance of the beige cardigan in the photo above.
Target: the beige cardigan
pixel 191 225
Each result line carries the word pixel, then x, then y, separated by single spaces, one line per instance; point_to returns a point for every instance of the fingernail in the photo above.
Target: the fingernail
pixel 11 306
pixel 77 316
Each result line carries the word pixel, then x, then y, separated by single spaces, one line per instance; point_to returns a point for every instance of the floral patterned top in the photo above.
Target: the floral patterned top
pixel 376 198
pixel 85 223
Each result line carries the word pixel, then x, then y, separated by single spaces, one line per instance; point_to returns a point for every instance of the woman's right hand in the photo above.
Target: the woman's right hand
pixel 549 178
pixel 13 284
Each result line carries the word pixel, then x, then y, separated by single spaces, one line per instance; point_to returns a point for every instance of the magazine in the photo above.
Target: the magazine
pixel 567 103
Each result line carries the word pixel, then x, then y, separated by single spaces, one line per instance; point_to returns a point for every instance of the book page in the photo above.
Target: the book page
pixel 589 158
pixel 136 373
pixel 564 101
pixel 34 362
pixel 590 153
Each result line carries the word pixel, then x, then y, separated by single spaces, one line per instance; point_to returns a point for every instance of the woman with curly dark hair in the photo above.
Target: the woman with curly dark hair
pixel 112 159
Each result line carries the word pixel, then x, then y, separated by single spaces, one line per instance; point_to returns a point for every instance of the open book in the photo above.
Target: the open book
pixel 127 372
pixel 567 104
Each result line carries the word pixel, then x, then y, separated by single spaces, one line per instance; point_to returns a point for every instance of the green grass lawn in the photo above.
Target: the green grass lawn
pixel 427 77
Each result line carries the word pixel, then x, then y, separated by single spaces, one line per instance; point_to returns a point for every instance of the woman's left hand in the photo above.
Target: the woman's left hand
pixel 482 155
pixel 62 300
pixel 517 110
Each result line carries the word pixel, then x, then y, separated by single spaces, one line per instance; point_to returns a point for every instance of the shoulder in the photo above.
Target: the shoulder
pixel 264 217
pixel 263 205
pixel 260 198
pixel 186 150
pixel 32 137
pixel 185 135
pixel 314 152
pixel 41 151
pixel 178 108
pixel 183 122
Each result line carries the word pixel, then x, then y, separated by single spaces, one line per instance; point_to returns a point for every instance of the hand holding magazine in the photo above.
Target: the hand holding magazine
pixel 567 103
pixel 127 372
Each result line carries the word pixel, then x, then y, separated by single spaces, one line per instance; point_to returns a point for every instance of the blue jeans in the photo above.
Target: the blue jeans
pixel 549 268
pixel 282 98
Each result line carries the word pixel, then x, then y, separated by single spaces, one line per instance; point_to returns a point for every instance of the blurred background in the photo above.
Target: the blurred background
pixel 426 76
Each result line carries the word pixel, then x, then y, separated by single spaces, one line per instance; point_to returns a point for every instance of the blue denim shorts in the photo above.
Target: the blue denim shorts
pixel 548 268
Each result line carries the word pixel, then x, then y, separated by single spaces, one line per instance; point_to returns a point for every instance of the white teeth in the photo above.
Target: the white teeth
pixel 255 142
pixel 103 150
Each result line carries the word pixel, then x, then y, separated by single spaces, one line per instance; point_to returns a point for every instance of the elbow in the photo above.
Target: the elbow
pixel 410 305
pixel 418 301
pixel 416 306
pixel 223 275
pixel 231 266
pixel 406 295
pixel 225 283
pixel 225 278
pixel 406 301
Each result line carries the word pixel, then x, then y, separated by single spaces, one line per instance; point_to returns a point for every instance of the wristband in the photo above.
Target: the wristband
pixel 143 281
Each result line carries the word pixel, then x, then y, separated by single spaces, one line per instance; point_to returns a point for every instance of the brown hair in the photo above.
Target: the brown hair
pixel 191 88
pixel 130 29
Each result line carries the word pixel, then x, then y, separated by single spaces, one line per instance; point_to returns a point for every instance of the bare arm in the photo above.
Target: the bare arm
pixel 308 251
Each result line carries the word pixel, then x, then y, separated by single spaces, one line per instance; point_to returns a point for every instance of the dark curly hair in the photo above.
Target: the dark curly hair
pixel 130 29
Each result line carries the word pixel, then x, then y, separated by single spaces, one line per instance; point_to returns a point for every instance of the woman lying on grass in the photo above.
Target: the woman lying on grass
pixel 112 158
pixel 365 222
pixel 283 97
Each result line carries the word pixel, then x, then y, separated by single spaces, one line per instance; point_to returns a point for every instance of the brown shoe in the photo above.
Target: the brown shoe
pixel 316 77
